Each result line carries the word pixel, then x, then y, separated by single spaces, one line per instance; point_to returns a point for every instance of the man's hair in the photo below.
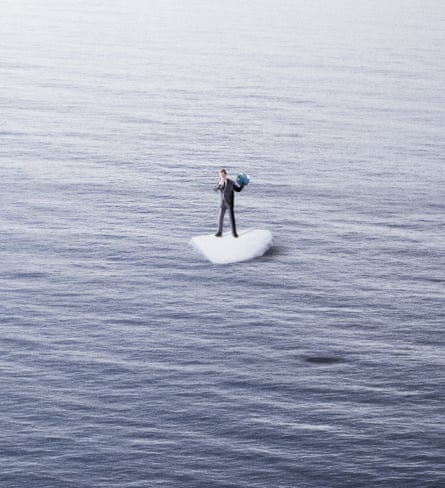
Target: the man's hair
pixel 222 170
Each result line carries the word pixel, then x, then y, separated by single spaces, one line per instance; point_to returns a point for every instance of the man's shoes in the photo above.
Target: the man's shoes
pixel 218 234
pixel 235 234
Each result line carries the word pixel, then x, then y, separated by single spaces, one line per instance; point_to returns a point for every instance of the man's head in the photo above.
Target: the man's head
pixel 223 173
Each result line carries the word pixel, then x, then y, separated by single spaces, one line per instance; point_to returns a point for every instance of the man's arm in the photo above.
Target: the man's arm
pixel 238 187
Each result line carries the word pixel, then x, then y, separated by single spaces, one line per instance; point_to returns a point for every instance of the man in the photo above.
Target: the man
pixel 226 187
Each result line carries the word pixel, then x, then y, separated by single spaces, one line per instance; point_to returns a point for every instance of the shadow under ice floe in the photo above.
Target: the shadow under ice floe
pixel 323 359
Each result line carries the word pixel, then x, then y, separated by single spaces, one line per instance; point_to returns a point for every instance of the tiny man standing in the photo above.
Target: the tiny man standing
pixel 226 187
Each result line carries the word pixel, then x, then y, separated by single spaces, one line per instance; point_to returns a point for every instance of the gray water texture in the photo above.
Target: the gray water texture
pixel 127 359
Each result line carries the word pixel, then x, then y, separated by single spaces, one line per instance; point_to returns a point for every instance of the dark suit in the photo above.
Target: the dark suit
pixel 227 202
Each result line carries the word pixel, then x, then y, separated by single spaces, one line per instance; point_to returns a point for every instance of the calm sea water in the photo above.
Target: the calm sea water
pixel 126 359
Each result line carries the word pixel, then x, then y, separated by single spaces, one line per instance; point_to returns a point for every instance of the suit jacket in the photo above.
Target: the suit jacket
pixel 227 192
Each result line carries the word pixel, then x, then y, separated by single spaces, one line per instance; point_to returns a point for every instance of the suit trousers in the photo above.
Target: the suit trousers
pixel 222 212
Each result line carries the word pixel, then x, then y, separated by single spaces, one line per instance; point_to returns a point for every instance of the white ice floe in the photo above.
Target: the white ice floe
pixel 251 243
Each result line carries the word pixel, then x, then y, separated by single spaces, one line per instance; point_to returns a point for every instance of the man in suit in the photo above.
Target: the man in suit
pixel 226 187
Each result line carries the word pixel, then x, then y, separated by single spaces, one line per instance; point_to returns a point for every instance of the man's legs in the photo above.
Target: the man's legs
pixel 222 211
pixel 232 220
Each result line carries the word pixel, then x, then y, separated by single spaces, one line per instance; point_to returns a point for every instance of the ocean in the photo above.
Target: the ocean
pixel 129 360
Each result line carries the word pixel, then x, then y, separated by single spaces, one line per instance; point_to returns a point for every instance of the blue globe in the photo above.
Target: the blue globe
pixel 243 179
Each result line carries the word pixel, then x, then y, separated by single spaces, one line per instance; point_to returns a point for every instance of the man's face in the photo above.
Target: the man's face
pixel 222 175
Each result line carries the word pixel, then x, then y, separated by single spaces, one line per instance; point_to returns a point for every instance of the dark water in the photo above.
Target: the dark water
pixel 126 359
